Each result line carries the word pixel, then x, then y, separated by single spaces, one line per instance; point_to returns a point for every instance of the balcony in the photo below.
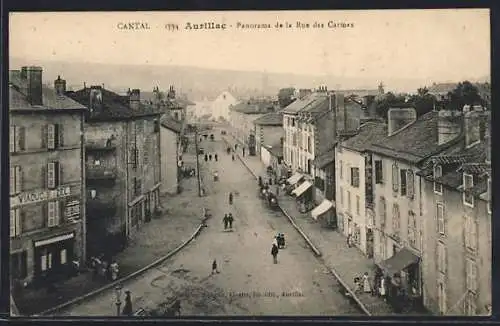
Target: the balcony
pixel 97 208
pixel 94 172
pixel 100 145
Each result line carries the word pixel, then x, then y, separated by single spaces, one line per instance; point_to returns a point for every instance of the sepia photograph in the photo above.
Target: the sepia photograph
pixel 176 164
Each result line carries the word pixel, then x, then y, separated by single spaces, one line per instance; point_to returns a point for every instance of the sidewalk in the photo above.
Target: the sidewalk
pixel 153 240
pixel 347 262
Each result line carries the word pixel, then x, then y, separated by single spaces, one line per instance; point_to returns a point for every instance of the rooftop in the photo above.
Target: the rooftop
pixel 309 101
pixel 113 106
pixel 18 97
pixel 368 133
pixel 324 159
pixel 275 149
pixel 414 143
pixel 254 107
pixel 270 119
pixel 170 123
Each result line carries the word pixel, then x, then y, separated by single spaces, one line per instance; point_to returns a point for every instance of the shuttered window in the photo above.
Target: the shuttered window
pixel 471 235
pixel 471 275
pixel 379 172
pixel 395 177
pixel 15 222
pixel 16 179
pixel 17 139
pixel 53 175
pixel 410 184
pixel 382 211
pixel 53 213
pixel 52 136
pixel 396 219
pixel 355 177
pixel 440 218
pixel 402 173
pixel 438 173
pixel 441 252
pixel 468 183
pixel 12 139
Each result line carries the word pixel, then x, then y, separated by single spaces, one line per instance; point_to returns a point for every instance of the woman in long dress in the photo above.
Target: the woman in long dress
pixel 382 287
pixel 366 283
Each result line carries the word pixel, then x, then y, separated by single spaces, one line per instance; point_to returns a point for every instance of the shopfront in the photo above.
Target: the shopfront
pixel 304 195
pixel 402 272
pixel 53 257
pixel 325 213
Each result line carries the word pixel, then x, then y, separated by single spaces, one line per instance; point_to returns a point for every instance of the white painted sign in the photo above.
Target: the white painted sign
pixel 39 196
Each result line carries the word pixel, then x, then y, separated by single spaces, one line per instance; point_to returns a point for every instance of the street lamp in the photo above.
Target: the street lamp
pixel 118 302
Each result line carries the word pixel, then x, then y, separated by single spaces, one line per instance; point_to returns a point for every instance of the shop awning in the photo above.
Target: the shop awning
pixel 321 208
pixel 302 188
pixel 54 240
pixel 294 178
pixel 399 261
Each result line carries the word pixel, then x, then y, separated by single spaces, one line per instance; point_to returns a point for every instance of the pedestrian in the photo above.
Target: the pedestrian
pixel 225 220
pixel 210 157
pixel 383 289
pixel 230 198
pixel 277 190
pixel 366 283
pixel 206 158
pixel 274 253
pixel 214 267
pixel 270 181
pixel 348 240
pixel 260 181
pixel 243 149
pixel 127 309
pixel 232 156
pixel 235 146
pixel 216 157
pixel 230 219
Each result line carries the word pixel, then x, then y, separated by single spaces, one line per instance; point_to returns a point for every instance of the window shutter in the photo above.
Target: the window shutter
pixel 12 181
pixel 21 139
pixel 12 223
pixel 395 177
pixel 58 215
pixel 43 136
pixel 410 187
pixel 43 174
pixel 51 175
pixel 18 221
pixel 56 135
pixel 60 132
pixel 12 139
pixel 51 136
pixel 19 179
pixel 58 174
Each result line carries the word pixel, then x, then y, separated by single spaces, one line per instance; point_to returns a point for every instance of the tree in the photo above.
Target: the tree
pixel 464 94
pixel 423 102
pixel 285 96
pixel 387 101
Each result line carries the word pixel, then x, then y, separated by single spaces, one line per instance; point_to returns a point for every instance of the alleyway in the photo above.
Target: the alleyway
pixel 248 283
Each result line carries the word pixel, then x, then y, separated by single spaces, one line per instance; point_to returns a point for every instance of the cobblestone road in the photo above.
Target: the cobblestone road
pixel 248 282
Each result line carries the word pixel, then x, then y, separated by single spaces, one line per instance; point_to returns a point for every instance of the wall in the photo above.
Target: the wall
pixel 290 151
pixel 168 143
pixel 383 239
pixel 265 156
pixel 454 240
pixel 220 106
pixel 268 135
pixel 33 161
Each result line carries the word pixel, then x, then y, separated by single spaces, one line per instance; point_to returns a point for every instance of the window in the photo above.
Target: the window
pixel 442 298
pixel 379 174
pixel 133 157
pixel 468 196
pixel 358 211
pixel 53 136
pixel 382 211
pixel 440 218
pixel 471 275
pixel 53 212
pixel 145 155
pixel 16 179
pixel 402 173
pixel 16 139
pixel 438 173
pixel 396 219
pixel 293 122
pixel 45 261
pixel 53 175
pixel 470 308
pixel 355 177
pixel 341 170
pixel 410 184
pixel 309 144
pixel 395 177
pixel 441 251
pixel 15 222
pixel 348 201
pixel 64 256
pixel 470 233
pixel 412 229
pixel 341 196
pixel 18 265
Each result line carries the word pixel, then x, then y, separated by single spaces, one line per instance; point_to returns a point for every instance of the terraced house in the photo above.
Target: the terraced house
pixel 457 189
pixel 47 185
pixel 122 159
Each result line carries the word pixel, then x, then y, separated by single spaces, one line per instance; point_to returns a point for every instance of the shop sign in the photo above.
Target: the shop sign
pixel 39 196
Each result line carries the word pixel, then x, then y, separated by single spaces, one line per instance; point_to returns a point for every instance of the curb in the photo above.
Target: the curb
pixel 124 279
pixel 309 242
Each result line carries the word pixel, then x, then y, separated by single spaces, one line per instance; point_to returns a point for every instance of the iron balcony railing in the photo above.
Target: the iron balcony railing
pixel 100 173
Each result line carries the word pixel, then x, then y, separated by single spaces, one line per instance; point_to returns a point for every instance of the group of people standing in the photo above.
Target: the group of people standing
pixel 378 287
pixel 208 157
pixel 228 221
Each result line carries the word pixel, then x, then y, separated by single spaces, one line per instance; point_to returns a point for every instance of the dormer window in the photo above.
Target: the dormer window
pixel 438 173
pixel 468 196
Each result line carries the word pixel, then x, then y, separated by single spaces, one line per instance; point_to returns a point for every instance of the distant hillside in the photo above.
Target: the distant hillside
pixel 199 83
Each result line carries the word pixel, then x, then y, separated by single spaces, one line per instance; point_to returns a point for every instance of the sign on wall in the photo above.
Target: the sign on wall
pixel 39 196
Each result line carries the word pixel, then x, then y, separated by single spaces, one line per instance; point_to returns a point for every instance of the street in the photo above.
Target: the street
pixel 248 283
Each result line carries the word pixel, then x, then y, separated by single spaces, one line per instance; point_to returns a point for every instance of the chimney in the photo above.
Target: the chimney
pixel 449 125
pixel 476 124
pixel 398 118
pixel 60 86
pixel 34 79
pixel 135 98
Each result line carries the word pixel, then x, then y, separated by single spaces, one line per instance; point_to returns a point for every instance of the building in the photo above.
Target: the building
pixel 268 130
pixel 122 142
pixel 169 140
pixel 324 192
pixel 354 184
pixel 456 185
pixel 272 155
pixel 220 107
pixel 242 117
pixel 47 185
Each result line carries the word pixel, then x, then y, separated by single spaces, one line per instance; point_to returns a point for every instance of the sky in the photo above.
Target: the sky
pixel 451 44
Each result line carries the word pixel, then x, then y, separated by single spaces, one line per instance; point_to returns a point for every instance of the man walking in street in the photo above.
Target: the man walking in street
pixel 216 157
pixel 127 309
pixel 274 253
pixel 210 157
pixel 243 149
pixel 225 220
pixel 230 219
pixel 214 268
pixel 230 198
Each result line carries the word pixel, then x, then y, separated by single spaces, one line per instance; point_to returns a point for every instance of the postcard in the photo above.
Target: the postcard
pixel 244 163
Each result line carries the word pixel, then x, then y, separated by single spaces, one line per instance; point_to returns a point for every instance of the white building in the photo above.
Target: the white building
pixel 169 144
pixel 220 106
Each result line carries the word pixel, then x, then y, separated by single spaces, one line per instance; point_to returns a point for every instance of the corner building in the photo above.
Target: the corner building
pixel 47 209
